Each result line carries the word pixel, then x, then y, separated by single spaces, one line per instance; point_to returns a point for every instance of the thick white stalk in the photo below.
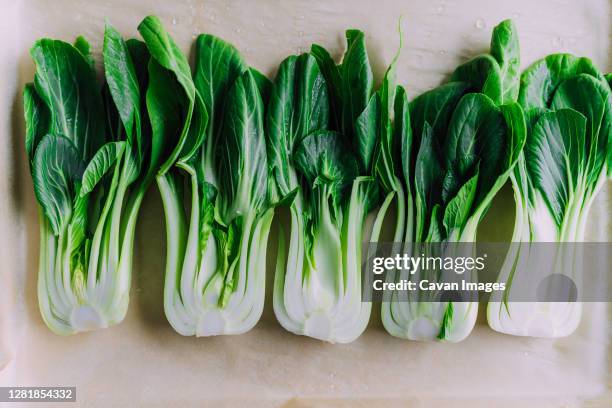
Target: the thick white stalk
pixel 176 237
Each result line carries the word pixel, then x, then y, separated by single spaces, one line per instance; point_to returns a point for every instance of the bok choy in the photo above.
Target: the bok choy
pixel 91 166
pixel 458 144
pixel 566 161
pixel 209 133
pixel 321 169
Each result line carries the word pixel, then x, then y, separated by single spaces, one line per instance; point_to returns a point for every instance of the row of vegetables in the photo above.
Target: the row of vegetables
pixel 226 147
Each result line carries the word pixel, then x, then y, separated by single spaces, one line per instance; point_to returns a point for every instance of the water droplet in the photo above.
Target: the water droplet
pixel 301 33
pixel 480 24
pixel 212 17
pixel 238 30
pixel 263 23
pixel 557 42
pixel 174 20
pixel 301 17
pixel 442 52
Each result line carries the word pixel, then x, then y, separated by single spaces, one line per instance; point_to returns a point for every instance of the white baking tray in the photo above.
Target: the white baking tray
pixel 142 362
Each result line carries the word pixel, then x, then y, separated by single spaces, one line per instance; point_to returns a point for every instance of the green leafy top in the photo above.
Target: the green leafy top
pixel 322 159
pixel 465 137
pixel 457 172
pixel 540 81
pixel 299 106
pixel 217 66
pixel 65 81
pixel 172 100
pixel 241 163
pixel 64 127
pixel 495 74
pixel 124 88
pixel 349 87
pixel 568 149
pixel 68 138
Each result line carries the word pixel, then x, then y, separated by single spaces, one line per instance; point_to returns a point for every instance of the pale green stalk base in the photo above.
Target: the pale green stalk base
pixel 73 301
pixel 413 316
pixel 193 286
pixel 323 301
pixel 540 319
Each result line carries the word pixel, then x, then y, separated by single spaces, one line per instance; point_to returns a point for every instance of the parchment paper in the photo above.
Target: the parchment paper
pixel 142 362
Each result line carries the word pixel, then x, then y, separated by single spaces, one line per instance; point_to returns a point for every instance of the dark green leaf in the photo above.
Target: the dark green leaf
pixel 140 60
pixel 505 49
pixel 540 80
pixel 516 134
pixel 427 179
pixel 102 161
pixel 263 84
pixel 163 48
pixel 175 79
pixel 554 155
pixel 197 133
pixel 476 136
pixel 78 225
pixel 83 46
pixel 367 128
pixel 123 86
pixel 459 208
pixel 592 98
pixel 322 157
pixel 241 164
pixel 217 65
pixel 66 83
pixel 387 154
pixel 56 169
pixel 36 117
pixel 166 106
pixel 435 107
pixel 436 231
pixel 403 135
pixel 331 73
pixel 356 85
pixel 287 200
pixel 298 106
pixel 483 74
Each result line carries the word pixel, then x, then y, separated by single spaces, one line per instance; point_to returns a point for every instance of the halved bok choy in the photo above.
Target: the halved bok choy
pixel 89 153
pixel 566 161
pixel 208 130
pixel 458 144
pixel 321 169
